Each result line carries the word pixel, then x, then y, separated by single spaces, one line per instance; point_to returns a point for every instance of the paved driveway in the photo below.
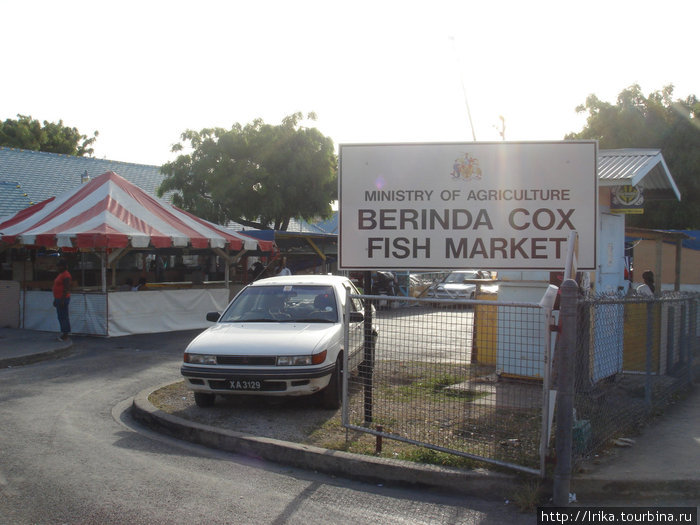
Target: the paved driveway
pixel 69 454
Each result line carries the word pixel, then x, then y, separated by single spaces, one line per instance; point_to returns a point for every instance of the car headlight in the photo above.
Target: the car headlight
pixel 200 359
pixel 301 360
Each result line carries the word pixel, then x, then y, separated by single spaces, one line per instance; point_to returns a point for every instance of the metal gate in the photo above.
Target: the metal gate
pixel 431 378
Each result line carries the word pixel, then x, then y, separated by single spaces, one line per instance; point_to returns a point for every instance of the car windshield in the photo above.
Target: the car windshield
pixel 459 277
pixel 284 303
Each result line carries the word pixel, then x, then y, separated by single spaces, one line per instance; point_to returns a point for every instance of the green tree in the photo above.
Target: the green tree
pixel 258 175
pixel 52 137
pixel 655 121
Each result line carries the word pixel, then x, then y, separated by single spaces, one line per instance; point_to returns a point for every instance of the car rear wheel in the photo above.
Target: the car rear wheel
pixel 202 399
pixel 332 395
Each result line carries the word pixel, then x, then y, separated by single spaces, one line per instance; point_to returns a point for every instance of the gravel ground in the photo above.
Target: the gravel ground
pixel 299 420
pixel 303 420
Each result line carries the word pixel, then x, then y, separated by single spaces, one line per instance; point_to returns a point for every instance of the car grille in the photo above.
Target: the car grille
pixel 246 360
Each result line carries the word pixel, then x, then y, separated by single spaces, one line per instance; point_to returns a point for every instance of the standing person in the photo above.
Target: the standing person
pixel 160 269
pixel 283 268
pixel 61 298
pixel 648 287
pixel 256 270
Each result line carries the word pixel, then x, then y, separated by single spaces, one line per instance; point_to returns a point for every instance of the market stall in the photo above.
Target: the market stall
pixel 98 227
pixel 306 252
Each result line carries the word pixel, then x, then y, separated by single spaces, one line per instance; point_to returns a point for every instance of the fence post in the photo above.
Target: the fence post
pixel 673 343
pixel 683 343
pixel 692 337
pixel 565 397
pixel 367 366
pixel 650 349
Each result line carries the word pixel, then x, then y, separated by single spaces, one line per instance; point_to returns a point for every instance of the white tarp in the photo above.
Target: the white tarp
pixel 163 310
pixel 87 313
pixel 126 313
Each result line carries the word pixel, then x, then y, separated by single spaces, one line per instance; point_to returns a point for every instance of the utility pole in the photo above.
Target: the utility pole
pixel 464 89
pixel 502 131
pixel 565 397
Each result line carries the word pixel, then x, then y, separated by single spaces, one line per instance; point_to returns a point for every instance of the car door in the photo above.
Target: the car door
pixel 356 329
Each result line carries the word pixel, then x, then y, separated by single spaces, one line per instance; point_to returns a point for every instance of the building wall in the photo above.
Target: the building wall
pixel 9 298
pixel 645 258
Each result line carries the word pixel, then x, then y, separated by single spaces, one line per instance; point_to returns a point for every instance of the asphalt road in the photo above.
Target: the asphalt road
pixel 69 453
pixel 425 333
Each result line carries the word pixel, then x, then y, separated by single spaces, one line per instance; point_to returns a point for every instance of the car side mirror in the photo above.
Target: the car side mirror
pixel 213 316
pixel 356 317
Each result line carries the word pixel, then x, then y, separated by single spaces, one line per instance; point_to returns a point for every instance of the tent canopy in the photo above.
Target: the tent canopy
pixel 111 212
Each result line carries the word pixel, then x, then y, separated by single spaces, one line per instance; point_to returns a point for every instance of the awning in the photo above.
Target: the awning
pixel 643 168
pixel 111 212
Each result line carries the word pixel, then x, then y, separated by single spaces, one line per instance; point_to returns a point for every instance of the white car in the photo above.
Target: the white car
pixel 459 284
pixel 282 336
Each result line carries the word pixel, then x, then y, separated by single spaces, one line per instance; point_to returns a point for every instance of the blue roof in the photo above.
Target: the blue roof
pixel 12 198
pixel 42 175
pixel 265 235
pixel 328 226
pixel 28 177
pixel 692 242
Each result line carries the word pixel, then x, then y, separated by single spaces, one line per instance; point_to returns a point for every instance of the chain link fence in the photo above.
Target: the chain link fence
pixel 633 356
pixel 472 378
pixel 464 377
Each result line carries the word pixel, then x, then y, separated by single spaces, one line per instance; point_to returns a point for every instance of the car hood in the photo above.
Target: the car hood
pixel 456 286
pixel 266 338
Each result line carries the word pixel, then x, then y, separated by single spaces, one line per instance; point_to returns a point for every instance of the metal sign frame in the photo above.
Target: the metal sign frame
pixel 487 205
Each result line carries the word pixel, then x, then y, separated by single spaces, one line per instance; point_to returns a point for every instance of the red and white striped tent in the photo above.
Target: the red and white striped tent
pixel 110 212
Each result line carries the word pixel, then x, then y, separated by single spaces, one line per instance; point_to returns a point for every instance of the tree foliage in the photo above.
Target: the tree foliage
pixel 655 121
pixel 258 175
pixel 52 137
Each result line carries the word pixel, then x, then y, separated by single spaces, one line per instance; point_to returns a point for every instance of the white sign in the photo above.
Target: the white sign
pixel 473 205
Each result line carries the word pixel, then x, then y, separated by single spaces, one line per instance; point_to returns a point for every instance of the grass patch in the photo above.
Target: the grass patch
pixel 161 397
pixel 416 381
pixel 435 457
pixel 529 496
pixel 439 404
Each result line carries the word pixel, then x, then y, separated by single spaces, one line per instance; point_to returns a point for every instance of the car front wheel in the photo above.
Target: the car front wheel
pixel 332 395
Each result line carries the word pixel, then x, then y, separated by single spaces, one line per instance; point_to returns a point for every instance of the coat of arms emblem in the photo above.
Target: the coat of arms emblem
pixel 467 168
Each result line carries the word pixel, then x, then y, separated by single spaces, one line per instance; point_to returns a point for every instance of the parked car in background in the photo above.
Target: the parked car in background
pixel 282 336
pixel 418 285
pixel 384 283
pixel 457 286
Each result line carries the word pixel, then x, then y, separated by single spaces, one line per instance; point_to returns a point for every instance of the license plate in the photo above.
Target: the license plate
pixel 245 384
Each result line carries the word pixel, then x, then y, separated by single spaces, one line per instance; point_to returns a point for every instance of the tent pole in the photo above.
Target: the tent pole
pixel 230 260
pixel 227 269
pixel 103 258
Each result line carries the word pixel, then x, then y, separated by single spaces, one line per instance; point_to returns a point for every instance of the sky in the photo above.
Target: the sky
pixel 142 72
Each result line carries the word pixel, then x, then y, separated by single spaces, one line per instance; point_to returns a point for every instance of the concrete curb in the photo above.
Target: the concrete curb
pixel 30 359
pixel 478 483
pixel 595 489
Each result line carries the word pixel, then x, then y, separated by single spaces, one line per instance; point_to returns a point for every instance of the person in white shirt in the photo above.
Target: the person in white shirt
pixel 283 270
pixel 648 287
